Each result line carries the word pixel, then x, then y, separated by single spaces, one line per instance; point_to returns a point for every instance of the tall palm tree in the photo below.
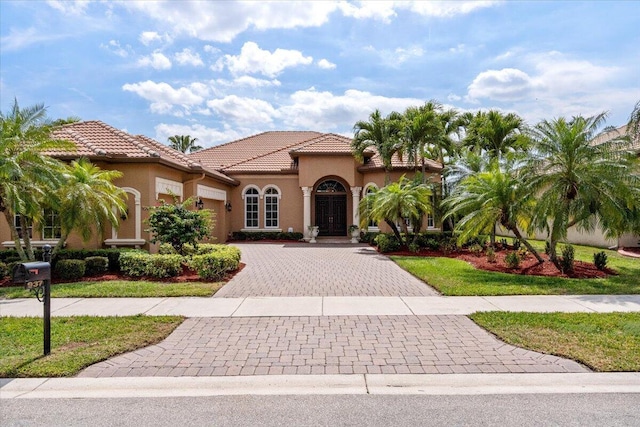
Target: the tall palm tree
pixel 581 184
pixel 489 197
pixel 395 202
pixel 27 176
pixel 379 132
pixel 495 132
pixel 88 200
pixel 184 143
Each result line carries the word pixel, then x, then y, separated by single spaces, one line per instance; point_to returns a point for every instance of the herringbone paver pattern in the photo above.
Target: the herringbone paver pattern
pixel 289 270
pixel 328 345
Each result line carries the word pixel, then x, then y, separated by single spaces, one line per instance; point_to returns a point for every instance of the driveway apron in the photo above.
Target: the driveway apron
pixel 326 344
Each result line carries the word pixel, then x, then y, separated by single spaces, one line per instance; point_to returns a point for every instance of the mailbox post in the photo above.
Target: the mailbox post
pixel 36 276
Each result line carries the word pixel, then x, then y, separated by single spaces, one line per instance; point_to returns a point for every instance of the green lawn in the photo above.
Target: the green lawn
pixel 122 289
pixel 76 342
pixel 456 277
pixel 608 342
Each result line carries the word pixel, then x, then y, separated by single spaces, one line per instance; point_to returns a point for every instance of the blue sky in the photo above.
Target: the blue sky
pixel 223 70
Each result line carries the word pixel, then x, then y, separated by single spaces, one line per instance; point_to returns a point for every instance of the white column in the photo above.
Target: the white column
pixel 306 215
pixel 355 194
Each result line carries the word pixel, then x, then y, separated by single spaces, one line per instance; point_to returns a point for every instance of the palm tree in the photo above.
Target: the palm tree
pixel 380 133
pixel 27 176
pixel 184 143
pixel 495 133
pixel 581 184
pixel 490 197
pixel 395 202
pixel 88 200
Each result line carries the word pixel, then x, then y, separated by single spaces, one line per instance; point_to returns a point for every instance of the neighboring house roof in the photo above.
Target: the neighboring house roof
pixel 98 141
pixel 615 133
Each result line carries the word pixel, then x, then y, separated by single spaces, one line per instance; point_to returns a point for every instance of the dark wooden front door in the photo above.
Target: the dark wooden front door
pixel 331 214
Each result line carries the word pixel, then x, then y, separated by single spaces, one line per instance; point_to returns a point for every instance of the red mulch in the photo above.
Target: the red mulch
pixel 187 275
pixel 528 266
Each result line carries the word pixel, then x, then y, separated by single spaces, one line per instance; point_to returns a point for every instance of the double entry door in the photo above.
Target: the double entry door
pixel 331 214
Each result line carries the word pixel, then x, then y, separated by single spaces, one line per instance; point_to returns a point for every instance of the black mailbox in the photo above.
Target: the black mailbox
pixel 32 274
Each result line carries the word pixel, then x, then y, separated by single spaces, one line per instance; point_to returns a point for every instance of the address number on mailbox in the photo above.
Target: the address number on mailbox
pixel 35 284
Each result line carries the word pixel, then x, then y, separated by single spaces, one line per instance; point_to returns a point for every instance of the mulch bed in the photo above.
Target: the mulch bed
pixel 528 266
pixel 187 275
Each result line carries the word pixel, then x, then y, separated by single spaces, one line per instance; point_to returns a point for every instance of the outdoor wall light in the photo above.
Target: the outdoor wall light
pixel 227 206
pixel 199 204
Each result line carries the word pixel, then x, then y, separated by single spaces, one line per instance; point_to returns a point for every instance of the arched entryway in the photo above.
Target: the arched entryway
pixel 331 208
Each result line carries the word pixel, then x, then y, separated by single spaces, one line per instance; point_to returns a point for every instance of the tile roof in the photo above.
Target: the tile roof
pixel 245 149
pixel 99 141
pixel 328 143
pixel 376 163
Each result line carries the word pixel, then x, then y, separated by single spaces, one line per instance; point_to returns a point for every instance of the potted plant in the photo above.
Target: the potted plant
pixel 355 233
pixel 313 230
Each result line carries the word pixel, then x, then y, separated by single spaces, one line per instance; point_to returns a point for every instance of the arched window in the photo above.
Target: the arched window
pixel 271 208
pixel 251 207
pixel 330 186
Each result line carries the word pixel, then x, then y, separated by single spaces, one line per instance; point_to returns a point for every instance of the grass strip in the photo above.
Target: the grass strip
pixel 120 289
pixel 457 277
pixel 606 342
pixel 76 342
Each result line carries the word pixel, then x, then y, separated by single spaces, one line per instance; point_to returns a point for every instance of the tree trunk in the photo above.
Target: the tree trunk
pixel 553 253
pixel 26 225
pixel 493 236
pixel 527 244
pixel 394 229
pixel 15 236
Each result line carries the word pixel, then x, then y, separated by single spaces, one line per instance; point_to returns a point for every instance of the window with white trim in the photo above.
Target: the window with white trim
pixel 251 208
pixel 271 208
pixel 51 225
pixel 373 225
pixel 430 221
pixel 19 228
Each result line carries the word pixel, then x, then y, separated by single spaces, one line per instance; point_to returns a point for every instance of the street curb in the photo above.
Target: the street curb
pixel 428 384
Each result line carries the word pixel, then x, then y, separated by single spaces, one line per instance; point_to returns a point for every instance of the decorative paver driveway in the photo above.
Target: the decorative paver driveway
pixel 288 270
pixel 328 345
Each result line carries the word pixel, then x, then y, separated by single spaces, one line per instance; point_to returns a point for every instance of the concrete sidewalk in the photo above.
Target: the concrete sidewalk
pixel 321 306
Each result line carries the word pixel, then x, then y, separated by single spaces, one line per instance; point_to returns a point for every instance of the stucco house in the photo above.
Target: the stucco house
pixel 273 181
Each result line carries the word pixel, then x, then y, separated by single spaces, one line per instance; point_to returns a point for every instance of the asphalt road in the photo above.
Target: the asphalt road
pixel 321 410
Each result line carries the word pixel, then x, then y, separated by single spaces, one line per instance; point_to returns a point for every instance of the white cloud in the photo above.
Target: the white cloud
pixel 210 49
pixel 311 109
pixel 244 110
pixel 76 7
pixel 254 83
pixel 156 60
pixel 507 84
pixel 187 57
pixel 253 60
pixel 167 100
pixel 452 97
pixel 446 9
pixel 148 37
pixel 223 21
pixel 326 65
pixel 459 48
pixel 18 39
pixel 394 58
pixel 207 136
pixel 114 47
pixel 380 10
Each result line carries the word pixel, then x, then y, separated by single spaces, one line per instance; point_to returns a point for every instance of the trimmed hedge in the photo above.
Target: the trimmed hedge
pixel 387 243
pixel 213 265
pixel 96 265
pixel 112 254
pixel 69 269
pixel 140 264
pixel 4 270
pixel 266 235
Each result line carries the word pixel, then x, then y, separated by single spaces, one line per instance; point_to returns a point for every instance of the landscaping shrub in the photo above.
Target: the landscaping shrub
pixel 4 270
pixel 386 243
pixel 522 253
pixel 491 255
pixel 368 237
pixel 414 247
pixel 112 254
pixel 214 265
pixel 9 255
pixel 512 260
pixel 448 245
pixel 566 262
pixel 476 249
pixel 69 269
pixel 266 235
pixel 140 264
pixel 600 260
pixel 516 244
pixel 96 265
